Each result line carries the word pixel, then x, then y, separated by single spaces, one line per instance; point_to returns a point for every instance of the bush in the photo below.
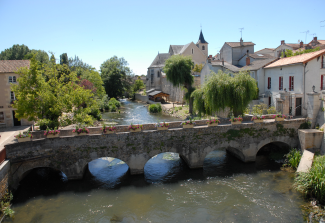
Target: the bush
pixel 155 108
pixel 305 125
pixel 84 118
pixel 293 158
pixel 44 123
pixel 113 108
pixel 95 113
pixel 271 110
pixel 312 182
pixel 115 102
pixel 258 109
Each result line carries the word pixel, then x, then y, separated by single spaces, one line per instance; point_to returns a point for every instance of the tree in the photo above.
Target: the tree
pixel 16 52
pixel 138 85
pixel 45 93
pixel 117 76
pixel 41 56
pixel 95 78
pixel 290 53
pixel 178 70
pixel 64 59
pixel 222 91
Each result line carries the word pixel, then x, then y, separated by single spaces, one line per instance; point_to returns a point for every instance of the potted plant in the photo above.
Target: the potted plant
pixel 80 131
pixel 162 126
pixel 51 133
pixel 135 128
pixel 188 124
pixel 236 121
pixel 213 122
pixel 279 117
pixel 27 136
pixel 108 129
pixel 258 118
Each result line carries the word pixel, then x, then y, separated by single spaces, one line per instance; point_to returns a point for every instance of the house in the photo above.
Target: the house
pixel 156 79
pixel 288 80
pixel 8 77
pixel 287 46
pixel 231 52
pixel 269 51
pixel 316 42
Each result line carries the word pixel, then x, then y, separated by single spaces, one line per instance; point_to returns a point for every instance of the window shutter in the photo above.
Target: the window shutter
pixel 280 83
pixel 321 82
pixel 293 83
pixel 289 83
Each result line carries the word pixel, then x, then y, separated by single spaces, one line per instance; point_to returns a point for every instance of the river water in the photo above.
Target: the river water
pixel 225 190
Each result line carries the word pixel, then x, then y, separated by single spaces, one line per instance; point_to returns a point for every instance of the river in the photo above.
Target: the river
pixel 225 190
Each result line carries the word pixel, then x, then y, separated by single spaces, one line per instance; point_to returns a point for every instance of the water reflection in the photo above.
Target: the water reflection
pixel 136 113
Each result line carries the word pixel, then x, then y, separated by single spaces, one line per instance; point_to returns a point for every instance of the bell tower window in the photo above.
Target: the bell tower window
pixel 203 47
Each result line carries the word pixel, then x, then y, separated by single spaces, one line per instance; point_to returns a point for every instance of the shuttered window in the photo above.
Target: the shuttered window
pixel 322 87
pixel 291 83
pixel 280 83
pixel 268 83
pixel 323 61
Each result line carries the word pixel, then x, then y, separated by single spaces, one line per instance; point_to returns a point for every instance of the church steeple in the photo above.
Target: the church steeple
pixel 202 44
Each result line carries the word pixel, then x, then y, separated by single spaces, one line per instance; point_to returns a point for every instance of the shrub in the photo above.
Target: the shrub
pixel 271 110
pixel 114 102
pixel 258 109
pixel 47 123
pixel 113 108
pixel 312 182
pixel 155 108
pixel 95 113
pixel 305 125
pixel 293 158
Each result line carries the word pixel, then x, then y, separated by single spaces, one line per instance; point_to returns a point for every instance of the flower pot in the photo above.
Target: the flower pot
pixel 24 139
pixel 212 124
pixel 109 132
pixel 188 126
pixel 162 128
pixel 279 119
pixel 136 130
pixel 236 123
pixel 81 134
pixel 52 136
pixel 258 121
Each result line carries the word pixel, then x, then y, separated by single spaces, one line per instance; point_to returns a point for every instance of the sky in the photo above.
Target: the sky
pixel 137 30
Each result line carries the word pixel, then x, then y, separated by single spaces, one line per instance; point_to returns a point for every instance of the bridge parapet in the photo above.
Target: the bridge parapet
pixel 72 154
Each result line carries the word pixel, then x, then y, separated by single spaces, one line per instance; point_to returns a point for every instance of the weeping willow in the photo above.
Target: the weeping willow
pixel 222 91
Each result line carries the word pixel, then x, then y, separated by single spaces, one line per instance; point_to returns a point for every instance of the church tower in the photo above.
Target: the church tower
pixel 202 44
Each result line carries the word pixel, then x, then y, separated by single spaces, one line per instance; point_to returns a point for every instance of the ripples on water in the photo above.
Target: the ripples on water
pixel 225 190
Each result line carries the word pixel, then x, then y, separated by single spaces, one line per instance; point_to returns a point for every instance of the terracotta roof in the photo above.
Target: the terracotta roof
pixel 11 66
pixel 303 58
pixel 237 44
pixel 294 46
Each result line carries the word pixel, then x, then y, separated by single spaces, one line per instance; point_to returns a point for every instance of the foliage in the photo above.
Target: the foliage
pixel 5 204
pixel 212 121
pixel 293 158
pixel 24 135
pixel 114 102
pixel 271 110
pixel 258 117
pixel 312 183
pixel 117 76
pixel 197 68
pixel 75 63
pixel 41 56
pixel 162 124
pixel 238 119
pixel 86 84
pixel 51 132
pixel 134 127
pixel 144 92
pixel 16 52
pixel 289 53
pixel 138 85
pixel 104 104
pixel 110 128
pixel 279 116
pixel 258 109
pixel 47 123
pixel 188 122
pixel 64 59
pixel 222 91
pixel 199 103
pixel 178 71
pixel 155 108
pixel 80 129
pixel 48 91
pixel 305 125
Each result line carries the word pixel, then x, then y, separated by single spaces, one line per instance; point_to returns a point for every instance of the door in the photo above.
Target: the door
pixel 16 121
pixel 269 101
pixel 298 106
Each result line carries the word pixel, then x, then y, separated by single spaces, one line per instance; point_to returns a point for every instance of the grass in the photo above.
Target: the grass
pixel 293 158
pixel 312 183
pixel 155 108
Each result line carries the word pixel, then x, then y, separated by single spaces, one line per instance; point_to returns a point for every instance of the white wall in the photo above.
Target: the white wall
pixel 238 52
pixel 226 53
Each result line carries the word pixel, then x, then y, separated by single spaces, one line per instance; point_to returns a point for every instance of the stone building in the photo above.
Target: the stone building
pixel 7 96
pixel 156 78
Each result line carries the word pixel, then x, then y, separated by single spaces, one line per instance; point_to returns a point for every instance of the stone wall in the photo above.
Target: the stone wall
pixel 140 97
pixel 4 177
pixel 71 155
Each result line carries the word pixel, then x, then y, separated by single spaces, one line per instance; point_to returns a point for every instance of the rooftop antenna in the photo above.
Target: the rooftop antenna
pixel 241 32
pixel 314 34
pixel 306 34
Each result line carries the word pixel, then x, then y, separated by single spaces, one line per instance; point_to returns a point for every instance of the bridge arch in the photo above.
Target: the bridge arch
pixel 280 141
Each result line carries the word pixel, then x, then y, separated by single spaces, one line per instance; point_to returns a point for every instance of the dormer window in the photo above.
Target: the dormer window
pixel 203 47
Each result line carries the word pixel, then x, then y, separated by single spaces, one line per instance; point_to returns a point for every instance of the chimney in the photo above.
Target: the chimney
pixel 315 38
pixel 241 42
pixel 248 60
pixel 210 56
pixel 301 44
pixel 282 42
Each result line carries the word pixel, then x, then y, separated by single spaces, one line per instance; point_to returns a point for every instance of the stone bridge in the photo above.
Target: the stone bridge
pixel 71 155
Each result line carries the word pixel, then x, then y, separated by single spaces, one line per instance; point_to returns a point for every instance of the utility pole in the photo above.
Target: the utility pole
pixel 306 34
pixel 241 33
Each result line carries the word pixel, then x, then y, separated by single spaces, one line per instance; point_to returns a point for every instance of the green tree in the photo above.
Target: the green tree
pixel 95 78
pixel 45 93
pixel 16 52
pixel 290 53
pixel 117 76
pixel 41 56
pixel 138 85
pixel 222 91
pixel 178 71
pixel 64 59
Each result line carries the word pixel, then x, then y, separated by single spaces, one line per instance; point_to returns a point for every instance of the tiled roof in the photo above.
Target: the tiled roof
pixel 294 46
pixel 176 49
pixel 184 48
pixel 10 66
pixel 261 56
pixel 201 38
pixel 257 64
pixel 265 49
pixel 226 65
pixel 160 59
pixel 303 58
pixel 237 44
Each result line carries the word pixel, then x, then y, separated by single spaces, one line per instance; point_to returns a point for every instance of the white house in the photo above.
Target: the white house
pixel 294 76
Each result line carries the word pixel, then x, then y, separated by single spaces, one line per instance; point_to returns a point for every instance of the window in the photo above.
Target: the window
pixel 253 74
pixel 12 79
pixel 322 87
pixel 291 83
pixel 323 61
pixel 280 83
pixel 2 117
pixel 158 74
pixel 192 51
pixel 152 73
pixel 268 83
pixel 12 96
pixel 203 47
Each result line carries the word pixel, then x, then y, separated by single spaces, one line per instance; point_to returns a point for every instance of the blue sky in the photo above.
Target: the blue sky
pixel 137 30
